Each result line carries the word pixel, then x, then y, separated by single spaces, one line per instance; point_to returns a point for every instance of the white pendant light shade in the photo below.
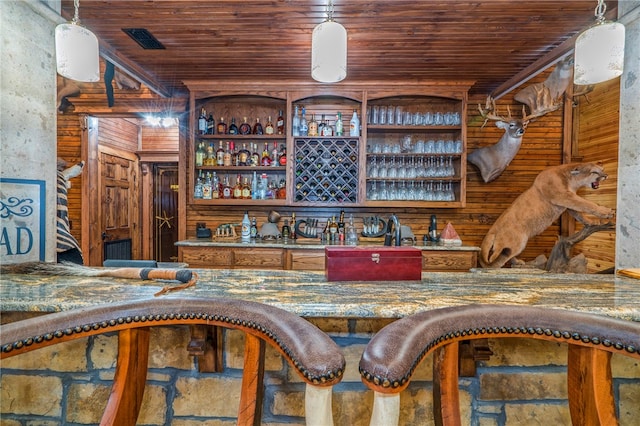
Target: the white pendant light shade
pixel 77 53
pixel 599 53
pixel 329 52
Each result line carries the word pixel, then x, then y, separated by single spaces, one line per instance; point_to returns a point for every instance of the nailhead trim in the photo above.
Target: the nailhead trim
pixel 327 377
pixel 594 340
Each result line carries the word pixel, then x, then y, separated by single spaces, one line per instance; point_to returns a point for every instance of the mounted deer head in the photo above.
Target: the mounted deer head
pixel 492 160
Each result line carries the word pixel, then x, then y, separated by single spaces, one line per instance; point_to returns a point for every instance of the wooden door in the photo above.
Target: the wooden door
pixel 119 209
pixel 165 209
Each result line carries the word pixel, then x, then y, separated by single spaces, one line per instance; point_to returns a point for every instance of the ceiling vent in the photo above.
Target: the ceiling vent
pixel 144 38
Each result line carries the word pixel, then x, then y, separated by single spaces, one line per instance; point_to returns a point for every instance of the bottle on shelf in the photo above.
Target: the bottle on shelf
pixel 339 125
pixel 304 126
pixel 200 155
pixel 245 128
pixel 226 158
pixel 280 123
pixel 202 122
pixel 233 128
pixel 220 155
pixel 245 233
pixel 221 128
pixel 313 126
pixel 265 160
pixel 215 186
pixel 275 155
pixel 255 156
pixel 268 128
pixel 198 189
pixel 210 156
pixel 282 161
pixel 246 189
pixel 211 125
pixel 226 188
pixel 295 122
pixel 234 153
pixel 237 188
pixel 327 128
pixel 244 156
pixel 257 127
pixel 354 125
pixel 321 125
pixel 206 187
pixel 254 186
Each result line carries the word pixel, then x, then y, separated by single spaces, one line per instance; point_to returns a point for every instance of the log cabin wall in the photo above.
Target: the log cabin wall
pixel 541 148
pixel 596 130
pixel 69 149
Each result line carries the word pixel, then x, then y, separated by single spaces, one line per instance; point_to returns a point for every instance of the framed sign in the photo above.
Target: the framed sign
pixel 22 219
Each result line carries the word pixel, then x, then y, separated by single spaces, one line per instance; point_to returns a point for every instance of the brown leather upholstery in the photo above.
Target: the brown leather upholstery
pixel 315 357
pixel 393 354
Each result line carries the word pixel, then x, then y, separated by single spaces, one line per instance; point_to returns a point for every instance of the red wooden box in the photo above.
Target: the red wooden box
pixel 380 263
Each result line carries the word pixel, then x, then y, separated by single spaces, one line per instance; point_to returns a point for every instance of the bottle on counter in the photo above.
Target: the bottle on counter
pixel 245 234
pixel 253 232
pixel 286 231
pixel 433 229
pixel 293 225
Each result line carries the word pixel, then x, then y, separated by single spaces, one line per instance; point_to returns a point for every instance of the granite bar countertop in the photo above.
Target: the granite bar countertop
pixel 309 294
pixel 307 243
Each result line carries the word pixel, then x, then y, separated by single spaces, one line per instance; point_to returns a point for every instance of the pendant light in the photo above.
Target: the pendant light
pixel 599 50
pixel 77 50
pixel 329 50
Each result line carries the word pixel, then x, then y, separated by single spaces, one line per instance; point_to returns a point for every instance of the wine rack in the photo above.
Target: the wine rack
pixel 326 170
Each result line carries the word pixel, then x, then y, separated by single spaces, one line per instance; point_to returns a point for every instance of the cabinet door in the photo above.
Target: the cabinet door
pixel 449 261
pixel 305 260
pixel 206 257
pixel 257 258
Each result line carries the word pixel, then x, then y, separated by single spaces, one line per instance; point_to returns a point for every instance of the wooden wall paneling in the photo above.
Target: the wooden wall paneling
pixel 160 138
pixel 596 139
pixel 119 134
pixel 69 133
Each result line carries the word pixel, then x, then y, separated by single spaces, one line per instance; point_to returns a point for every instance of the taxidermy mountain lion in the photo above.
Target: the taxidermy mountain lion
pixel 553 191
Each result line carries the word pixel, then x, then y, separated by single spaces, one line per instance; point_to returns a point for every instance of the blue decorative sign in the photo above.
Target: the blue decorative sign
pixel 22 220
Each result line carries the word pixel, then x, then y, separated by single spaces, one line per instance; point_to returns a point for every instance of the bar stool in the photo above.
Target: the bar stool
pixel 313 355
pixel 392 355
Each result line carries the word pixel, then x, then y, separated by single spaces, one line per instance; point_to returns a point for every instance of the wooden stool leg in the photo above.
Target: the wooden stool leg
pixel 446 401
pixel 317 405
pixel 590 383
pixel 386 409
pixel 130 378
pixel 250 410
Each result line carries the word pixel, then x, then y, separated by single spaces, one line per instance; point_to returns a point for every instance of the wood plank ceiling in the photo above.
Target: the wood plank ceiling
pixel 486 41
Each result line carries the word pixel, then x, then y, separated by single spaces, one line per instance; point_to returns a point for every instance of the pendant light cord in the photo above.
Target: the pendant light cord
pixel 601 8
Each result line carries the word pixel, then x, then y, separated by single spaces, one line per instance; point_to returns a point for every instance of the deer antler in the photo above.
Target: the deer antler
pixel 489 113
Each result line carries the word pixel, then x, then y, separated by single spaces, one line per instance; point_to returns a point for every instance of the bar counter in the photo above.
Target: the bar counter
pixel 309 294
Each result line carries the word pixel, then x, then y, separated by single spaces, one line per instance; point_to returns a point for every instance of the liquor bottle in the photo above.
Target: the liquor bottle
pixel 341 222
pixel 313 126
pixel 211 125
pixel 246 189
pixel 245 234
pixel 206 187
pixel 283 156
pixel 268 128
pixel 244 156
pixel 226 158
pixel 234 153
pixel 255 156
pixel 265 160
pixel 295 122
pixel 280 123
pixel 226 188
pixel 198 190
pixel 254 186
pixel 304 126
pixel 245 128
pixel 253 232
pixel 220 155
pixel 221 128
pixel 202 122
pixel 275 155
pixel 327 129
pixel 237 188
pixel 433 229
pixel 286 231
pixel 293 225
pixel 210 156
pixel 339 126
pixel 200 155
pixel 354 125
pixel 257 127
pixel 215 186
pixel 233 129
pixel 333 227
pixel 321 125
